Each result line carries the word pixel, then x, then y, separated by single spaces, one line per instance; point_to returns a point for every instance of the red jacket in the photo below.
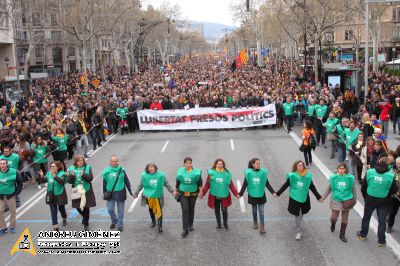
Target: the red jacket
pixel 226 202
pixel 385 113
pixel 156 106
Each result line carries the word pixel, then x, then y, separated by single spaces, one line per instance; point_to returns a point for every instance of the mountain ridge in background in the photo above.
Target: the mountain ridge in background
pixel 213 31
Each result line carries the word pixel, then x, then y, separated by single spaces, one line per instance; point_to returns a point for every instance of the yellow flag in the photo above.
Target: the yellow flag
pixel 24 243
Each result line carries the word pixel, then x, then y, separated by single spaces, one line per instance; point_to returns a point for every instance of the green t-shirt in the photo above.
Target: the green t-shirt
pixel 379 184
pixel 311 109
pixel 110 176
pixel 351 136
pixel 39 155
pixel 188 181
pixel 122 112
pixel 299 186
pixel 288 108
pixel 219 183
pixel 330 124
pixel 7 181
pixel 53 185
pixel 153 184
pixel 342 186
pixel 78 176
pixel 61 142
pixel 256 181
pixel 12 160
pixel 320 111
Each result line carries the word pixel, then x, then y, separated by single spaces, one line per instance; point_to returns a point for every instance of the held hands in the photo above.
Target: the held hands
pixel 237 196
pixel 135 196
pixel 275 195
pixel 175 193
pixel 321 200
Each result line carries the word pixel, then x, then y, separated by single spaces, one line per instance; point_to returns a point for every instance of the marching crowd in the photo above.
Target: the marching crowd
pixel 58 115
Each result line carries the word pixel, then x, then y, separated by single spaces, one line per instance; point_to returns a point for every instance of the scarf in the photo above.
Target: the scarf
pixel 358 145
pixel 154 205
pixel 370 150
pixel 60 135
pixel 303 173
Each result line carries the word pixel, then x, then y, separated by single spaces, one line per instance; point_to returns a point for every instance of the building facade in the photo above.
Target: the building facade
pixel 7 55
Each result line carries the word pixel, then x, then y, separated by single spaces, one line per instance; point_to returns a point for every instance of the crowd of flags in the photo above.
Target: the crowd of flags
pixel 240 60
pixel 95 82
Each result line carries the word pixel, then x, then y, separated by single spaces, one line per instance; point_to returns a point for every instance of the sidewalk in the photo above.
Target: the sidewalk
pixel 393 139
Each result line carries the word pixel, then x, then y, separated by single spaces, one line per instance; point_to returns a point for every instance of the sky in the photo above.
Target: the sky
pixel 217 11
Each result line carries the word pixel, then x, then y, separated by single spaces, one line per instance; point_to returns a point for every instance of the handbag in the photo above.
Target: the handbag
pixel 50 197
pixel 348 204
pixel 301 148
pixel 331 137
pixel 108 194
pixel 74 193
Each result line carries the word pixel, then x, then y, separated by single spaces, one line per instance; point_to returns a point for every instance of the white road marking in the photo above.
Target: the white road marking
pixel 135 201
pixel 232 145
pixel 28 207
pixel 241 200
pixel 165 146
pixel 92 152
pixel 391 243
pixel 27 202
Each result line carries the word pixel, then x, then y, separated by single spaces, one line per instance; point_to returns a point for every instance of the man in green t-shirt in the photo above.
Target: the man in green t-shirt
pixel 288 110
pixel 8 190
pixel 115 180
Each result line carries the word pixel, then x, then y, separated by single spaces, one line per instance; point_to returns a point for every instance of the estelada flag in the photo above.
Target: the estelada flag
pixel 83 79
pixel 95 83
pixel 240 60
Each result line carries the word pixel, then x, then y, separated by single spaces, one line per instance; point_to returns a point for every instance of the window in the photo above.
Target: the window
pixel 71 51
pixel 3 5
pixel 39 53
pixel 396 32
pixel 53 19
pixel 24 36
pixel 56 35
pixel 36 19
pixel 396 14
pixel 4 20
pixel 38 35
pixel 348 35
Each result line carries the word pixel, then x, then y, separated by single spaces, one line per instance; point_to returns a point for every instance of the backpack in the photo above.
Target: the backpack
pixel 312 143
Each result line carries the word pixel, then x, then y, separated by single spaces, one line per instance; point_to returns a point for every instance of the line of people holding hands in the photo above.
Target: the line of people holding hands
pixel 377 189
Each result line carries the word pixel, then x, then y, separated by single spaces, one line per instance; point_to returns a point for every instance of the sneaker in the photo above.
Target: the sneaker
pixel 226 227
pixel 218 227
pixel 112 226
pixel 39 187
pixel 100 145
pixel 120 229
pixel 87 156
pixel 3 232
pixel 18 204
pixel 13 230
pixel 64 223
pixel 361 236
pixel 389 229
pixel 298 236
pixel 191 229
pixel 381 244
pixel 185 233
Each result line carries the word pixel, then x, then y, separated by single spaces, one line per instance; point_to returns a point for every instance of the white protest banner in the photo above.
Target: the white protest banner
pixel 207 118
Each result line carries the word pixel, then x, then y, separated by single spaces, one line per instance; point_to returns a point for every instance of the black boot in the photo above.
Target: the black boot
pixel 333 226
pixel 342 232
pixel 153 219
pixel 160 225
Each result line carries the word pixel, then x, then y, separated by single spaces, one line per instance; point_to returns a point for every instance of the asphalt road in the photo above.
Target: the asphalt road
pixel 241 245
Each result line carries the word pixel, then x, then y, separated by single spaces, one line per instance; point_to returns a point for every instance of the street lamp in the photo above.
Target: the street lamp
pixel 340 51
pixel 353 49
pixel 7 60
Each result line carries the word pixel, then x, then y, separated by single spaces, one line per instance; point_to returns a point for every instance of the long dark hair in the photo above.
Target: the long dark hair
pixel 252 162
pixel 219 160
pixel 344 166
pixel 308 125
pixel 148 166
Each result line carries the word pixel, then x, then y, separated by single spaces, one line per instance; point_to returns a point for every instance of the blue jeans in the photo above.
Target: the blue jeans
pixel 82 142
pixel 381 213
pixel 260 211
pixel 120 206
pixel 341 152
pixel 53 210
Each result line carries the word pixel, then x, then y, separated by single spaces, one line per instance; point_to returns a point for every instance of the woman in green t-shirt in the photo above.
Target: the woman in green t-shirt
pixel 39 151
pixel 61 139
pixel 300 182
pixel 56 178
pixel 153 183
pixel 343 188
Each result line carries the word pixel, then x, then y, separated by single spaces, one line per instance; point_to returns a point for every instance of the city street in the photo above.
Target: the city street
pixel 241 245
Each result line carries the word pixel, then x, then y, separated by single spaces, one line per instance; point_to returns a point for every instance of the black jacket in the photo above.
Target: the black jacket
pixel 252 200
